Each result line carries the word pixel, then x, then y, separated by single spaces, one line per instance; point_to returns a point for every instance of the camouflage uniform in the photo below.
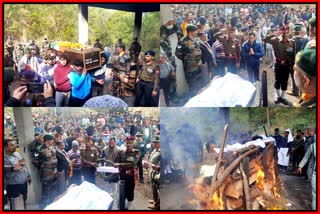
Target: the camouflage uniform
pixel 121 66
pixel 128 172
pixel 190 48
pixel 48 174
pixel 165 43
pixel 155 175
pixel 89 156
pixel 135 50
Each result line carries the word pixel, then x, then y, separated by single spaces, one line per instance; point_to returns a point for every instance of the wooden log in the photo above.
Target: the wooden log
pixel 233 204
pixel 245 188
pixel 214 178
pixel 235 163
pixel 234 189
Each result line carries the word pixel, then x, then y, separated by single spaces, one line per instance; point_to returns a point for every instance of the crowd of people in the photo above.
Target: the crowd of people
pixel 297 155
pixel 216 38
pixel 40 75
pixel 75 144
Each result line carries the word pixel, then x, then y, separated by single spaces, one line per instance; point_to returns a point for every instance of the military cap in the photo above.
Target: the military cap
pixel 138 134
pixel 10 43
pixel 297 28
pixel 156 139
pixel 239 25
pixel 130 138
pixel 150 52
pixel 191 28
pixel 306 60
pixel 313 21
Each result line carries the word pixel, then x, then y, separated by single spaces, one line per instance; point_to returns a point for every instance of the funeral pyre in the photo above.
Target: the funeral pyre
pixel 244 177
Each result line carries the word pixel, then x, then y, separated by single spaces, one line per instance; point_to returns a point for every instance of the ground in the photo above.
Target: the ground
pixel 270 85
pixel 296 193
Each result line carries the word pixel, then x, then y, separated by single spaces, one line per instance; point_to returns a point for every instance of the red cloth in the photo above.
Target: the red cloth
pixel 60 76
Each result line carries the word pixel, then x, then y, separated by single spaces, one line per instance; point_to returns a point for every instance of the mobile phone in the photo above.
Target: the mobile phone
pixel 35 87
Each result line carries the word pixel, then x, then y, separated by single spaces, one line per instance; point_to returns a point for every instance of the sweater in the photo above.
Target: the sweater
pixel 81 84
pixel 60 76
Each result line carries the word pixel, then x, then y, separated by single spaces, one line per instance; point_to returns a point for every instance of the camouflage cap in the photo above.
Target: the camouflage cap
pixel 239 25
pixel 306 60
pixel 191 28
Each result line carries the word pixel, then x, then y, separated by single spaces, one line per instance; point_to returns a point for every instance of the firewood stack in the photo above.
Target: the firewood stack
pixel 246 179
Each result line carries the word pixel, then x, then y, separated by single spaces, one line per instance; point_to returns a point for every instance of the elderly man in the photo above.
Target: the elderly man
pixel 15 172
pixel 76 164
pixel 305 76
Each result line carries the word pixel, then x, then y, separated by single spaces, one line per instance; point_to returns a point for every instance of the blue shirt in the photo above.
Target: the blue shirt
pixel 81 84
pixel 257 49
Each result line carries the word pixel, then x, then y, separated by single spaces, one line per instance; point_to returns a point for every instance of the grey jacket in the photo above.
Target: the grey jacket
pixel 14 177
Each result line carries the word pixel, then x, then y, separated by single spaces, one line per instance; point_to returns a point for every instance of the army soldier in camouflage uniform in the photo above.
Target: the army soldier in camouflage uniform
pixel 135 50
pixel 48 170
pixel 127 163
pixel 165 32
pixel 284 52
pixel 232 51
pixel 305 75
pixel 121 68
pixel 89 158
pixel 190 54
pixel 140 145
pixel 154 164
pixel 148 81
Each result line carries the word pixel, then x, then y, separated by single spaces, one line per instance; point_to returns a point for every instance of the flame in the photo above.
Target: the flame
pixel 206 200
pixel 275 192
pixel 260 178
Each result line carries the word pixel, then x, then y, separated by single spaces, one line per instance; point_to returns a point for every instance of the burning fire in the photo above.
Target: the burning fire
pixel 276 194
pixel 260 178
pixel 207 201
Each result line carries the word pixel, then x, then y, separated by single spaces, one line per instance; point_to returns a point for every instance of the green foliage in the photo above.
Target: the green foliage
pixel 24 22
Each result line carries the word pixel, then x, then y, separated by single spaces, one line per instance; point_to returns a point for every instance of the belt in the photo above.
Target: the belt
pixel 146 81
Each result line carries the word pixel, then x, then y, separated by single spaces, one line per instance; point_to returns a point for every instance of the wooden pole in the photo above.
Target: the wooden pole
pixel 215 175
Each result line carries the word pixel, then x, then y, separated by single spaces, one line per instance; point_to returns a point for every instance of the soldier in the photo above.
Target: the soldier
pixel 140 145
pixel 154 164
pixel 98 44
pixel 232 51
pixel 305 75
pixel 121 68
pixel 127 163
pixel 299 42
pixel 135 50
pixel 284 52
pixel 148 81
pixel 89 158
pixel 190 54
pixel 165 32
pixel 48 170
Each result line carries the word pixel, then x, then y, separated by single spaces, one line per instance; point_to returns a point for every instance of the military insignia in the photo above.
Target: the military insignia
pixel 298 57
pixel 150 71
pixel 157 72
